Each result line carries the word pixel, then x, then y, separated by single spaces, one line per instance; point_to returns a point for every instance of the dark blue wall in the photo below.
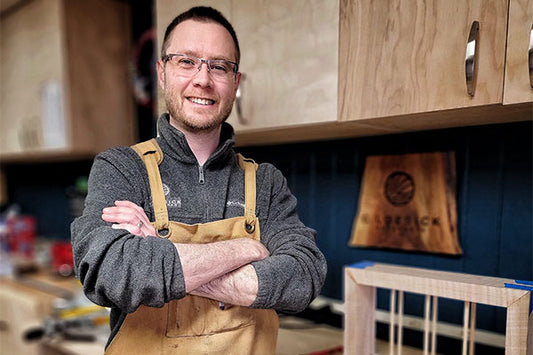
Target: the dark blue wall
pixel 44 190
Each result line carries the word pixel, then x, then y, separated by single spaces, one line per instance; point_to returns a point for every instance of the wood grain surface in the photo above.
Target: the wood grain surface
pixel 517 85
pixel 400 57
pixel 408 202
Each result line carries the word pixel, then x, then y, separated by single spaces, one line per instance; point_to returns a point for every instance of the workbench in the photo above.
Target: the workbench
pixel 26 302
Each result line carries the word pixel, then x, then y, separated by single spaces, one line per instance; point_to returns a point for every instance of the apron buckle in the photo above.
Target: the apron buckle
pixel 250 228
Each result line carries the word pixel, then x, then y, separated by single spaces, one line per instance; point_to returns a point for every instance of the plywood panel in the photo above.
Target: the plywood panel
pixel 101 104
pixel 518 87
pixel 402 57
pixel 30 59
pixel 290 58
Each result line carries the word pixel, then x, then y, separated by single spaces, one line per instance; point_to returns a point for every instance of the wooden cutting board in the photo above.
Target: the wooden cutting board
pixel 408 202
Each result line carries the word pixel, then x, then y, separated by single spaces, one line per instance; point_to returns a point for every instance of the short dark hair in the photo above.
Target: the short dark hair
pixel 203 14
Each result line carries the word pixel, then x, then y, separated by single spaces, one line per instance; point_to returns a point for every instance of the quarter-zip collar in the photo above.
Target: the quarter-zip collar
pixel 176 144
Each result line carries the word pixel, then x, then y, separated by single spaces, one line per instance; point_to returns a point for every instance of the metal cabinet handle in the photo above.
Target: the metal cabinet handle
pixel 530 55
pixel 471 58
pixel 239 99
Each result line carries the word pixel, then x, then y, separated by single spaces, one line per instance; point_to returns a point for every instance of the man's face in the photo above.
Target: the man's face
pixel 198 103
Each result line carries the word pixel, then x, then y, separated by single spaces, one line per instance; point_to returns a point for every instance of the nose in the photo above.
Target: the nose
pixel 202 77
pixel 203 61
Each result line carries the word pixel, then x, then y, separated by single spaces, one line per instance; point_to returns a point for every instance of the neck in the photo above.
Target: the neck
pixel 202 143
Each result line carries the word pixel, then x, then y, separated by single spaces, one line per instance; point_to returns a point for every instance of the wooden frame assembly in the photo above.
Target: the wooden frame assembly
pixel 362 280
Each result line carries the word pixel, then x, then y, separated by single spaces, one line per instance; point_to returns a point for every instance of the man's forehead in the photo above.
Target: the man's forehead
pixel 193 36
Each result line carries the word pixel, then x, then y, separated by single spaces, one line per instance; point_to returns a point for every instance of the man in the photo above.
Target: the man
pixel 192 246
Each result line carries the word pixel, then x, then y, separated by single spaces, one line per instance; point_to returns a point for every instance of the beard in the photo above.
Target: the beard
pixel 190 122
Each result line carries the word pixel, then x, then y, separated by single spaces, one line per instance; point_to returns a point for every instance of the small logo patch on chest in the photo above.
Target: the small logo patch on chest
pixel 234 203
pixel 172 201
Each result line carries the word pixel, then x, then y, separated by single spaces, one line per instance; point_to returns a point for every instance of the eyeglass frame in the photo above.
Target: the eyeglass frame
pixel 167 57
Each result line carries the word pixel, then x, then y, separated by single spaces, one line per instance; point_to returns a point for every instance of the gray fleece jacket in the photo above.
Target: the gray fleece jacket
pixel 122 271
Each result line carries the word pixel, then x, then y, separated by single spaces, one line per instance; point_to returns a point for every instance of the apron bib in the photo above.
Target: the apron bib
pixel 193 324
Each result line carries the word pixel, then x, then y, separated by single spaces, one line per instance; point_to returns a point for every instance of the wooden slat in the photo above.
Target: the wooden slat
pixel 392 322
pixel 360 335
pixel 517 326
pixel 434 325
pixel 400 323
pixel 427 311
pixel 466 317
pixel 459 286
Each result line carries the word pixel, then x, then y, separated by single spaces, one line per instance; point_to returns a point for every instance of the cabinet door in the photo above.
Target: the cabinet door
pixel 518 85
pixel 402 57
pixel 64 80
pixel 289 60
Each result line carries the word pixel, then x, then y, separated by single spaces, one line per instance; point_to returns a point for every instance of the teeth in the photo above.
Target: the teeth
pixel 199 101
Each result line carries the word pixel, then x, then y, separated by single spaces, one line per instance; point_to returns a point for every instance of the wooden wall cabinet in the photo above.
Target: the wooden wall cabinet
pixel 65 84
pixel 333 69
pixel 400 58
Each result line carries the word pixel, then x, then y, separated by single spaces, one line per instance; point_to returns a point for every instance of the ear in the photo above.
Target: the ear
pixel 161 73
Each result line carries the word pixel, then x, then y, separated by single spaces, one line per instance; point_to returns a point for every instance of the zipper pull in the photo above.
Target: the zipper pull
pixel 201 178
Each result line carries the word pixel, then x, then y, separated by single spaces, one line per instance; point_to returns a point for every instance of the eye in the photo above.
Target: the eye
pixel 221 66
pixel 185 62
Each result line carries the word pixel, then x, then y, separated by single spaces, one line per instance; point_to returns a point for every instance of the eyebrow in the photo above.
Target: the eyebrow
pixel 194 54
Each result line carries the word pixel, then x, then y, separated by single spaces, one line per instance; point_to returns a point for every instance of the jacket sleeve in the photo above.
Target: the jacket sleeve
pixel 294 273
pixel 118 269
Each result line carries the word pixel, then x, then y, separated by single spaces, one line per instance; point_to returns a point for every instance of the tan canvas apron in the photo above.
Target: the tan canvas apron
pixel 197 325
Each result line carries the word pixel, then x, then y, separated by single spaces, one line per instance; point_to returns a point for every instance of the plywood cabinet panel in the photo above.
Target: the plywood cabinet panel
pixel 404 57
pixel 290 58
pixel 98 52
pixel 518 86
pixel 65 87
pixel 28 68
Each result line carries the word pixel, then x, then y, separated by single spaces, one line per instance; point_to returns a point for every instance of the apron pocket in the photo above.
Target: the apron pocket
pixel 241 341
pixel 194 316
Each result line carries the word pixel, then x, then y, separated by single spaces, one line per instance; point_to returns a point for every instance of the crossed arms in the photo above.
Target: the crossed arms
pixel 220 270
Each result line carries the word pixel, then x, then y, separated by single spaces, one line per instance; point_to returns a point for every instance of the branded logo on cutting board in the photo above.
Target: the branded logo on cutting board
pixel 399 188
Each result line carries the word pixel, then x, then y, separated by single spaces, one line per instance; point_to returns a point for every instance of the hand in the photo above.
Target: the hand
pixel 238 287
pixel 202 263
pixel 127 215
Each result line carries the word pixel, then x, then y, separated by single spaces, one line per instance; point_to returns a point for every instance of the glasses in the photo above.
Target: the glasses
pixel 187 65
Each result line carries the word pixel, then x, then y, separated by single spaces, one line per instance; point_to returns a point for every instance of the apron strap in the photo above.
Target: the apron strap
pixel 249 166
pixel 152 156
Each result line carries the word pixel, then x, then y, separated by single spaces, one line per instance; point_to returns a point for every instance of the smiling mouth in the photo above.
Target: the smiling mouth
pixel 201 101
